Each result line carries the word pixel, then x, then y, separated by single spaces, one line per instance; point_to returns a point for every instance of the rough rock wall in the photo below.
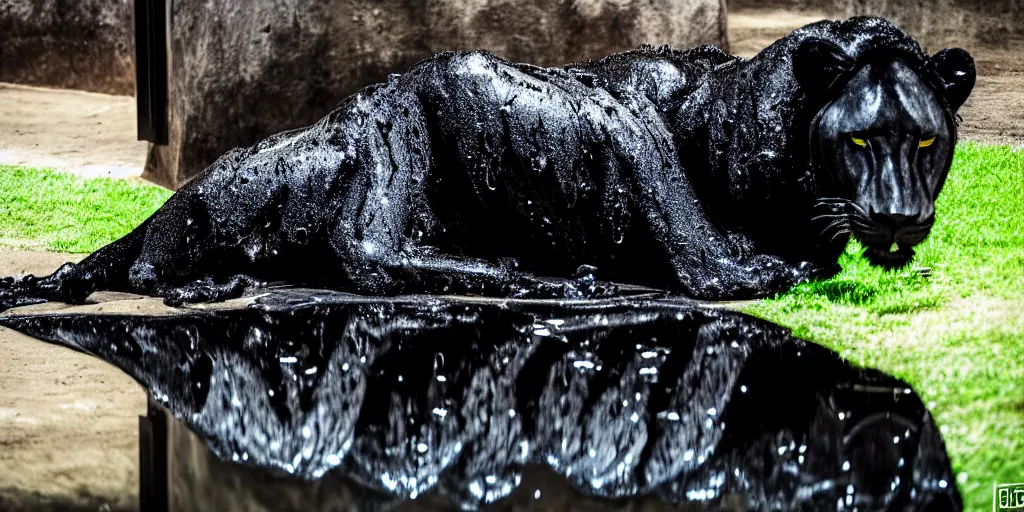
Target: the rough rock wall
pixel 75 44
pixel 242 69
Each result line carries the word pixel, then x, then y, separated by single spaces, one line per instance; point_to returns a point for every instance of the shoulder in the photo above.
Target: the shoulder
pixel 662 74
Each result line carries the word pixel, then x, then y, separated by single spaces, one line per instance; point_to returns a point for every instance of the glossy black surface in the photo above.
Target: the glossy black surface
pixel 683 170
pixel 455 398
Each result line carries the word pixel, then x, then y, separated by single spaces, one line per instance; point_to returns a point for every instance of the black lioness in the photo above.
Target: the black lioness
pixel 692 171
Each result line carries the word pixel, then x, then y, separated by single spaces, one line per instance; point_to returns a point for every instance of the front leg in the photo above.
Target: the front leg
pixel 449 274
pixel 73 282
pixel 711 265
pixel 751 277
pixel 422 270
pixel 708 264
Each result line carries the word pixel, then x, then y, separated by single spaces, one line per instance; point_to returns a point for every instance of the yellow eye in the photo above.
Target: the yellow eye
pixel 857 141
pixel 927 142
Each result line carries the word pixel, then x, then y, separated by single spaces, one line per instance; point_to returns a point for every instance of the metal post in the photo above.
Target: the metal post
pixel 153 463
pixel 151 57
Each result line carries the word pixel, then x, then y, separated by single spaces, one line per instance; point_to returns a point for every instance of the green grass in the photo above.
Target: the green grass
pixel 957 335
pixel 61 212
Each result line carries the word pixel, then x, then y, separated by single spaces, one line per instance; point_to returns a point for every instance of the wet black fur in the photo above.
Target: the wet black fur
pixel 683 170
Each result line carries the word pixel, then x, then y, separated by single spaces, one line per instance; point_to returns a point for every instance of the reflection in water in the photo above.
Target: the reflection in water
pixel 459 399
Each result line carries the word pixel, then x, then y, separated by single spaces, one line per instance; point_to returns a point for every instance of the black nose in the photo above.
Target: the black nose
pixel 893 220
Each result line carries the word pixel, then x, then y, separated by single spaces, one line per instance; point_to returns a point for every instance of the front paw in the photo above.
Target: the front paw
pixel 754 277
pixel 195 292
pixel 808 271
pixel 15 293
pixel 583 286
pixel 9 301
pixel 206 290
pixel 770 275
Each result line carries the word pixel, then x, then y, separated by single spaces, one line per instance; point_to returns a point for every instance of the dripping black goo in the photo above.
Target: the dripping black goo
pixel 692 171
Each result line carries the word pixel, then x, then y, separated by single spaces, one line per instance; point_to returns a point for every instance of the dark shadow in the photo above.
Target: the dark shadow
pixel 19 500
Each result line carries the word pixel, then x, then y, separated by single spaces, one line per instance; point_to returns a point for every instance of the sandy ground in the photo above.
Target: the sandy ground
pixel 85 133
pixel 68 422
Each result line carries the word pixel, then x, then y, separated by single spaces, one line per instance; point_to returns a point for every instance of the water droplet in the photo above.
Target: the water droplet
pixel 489 180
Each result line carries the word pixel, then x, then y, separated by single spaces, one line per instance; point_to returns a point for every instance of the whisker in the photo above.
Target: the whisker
pixel 839 224
pixel 838 234
pixel 859 208
pixel 829 204
pixel 863 223
pixel 830 216
pixel 835 224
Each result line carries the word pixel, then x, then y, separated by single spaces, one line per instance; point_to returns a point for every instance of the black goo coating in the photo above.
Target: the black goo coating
pixel 682 170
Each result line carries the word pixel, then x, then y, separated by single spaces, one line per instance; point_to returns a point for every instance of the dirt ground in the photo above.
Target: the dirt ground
pixel 68 422
pixel 81 132
pixel 993 114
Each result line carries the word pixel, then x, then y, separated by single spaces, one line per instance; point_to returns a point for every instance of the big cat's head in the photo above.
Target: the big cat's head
pixel 885 143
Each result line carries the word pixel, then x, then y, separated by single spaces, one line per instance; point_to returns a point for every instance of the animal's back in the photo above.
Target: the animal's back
pixel 554 167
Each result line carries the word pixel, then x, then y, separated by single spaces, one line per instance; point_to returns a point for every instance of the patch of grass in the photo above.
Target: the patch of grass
pixel 60 212
pixel 957 335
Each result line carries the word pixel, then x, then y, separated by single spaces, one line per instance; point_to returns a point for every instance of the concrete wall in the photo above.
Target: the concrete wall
pixel 76 44
pixel 245 69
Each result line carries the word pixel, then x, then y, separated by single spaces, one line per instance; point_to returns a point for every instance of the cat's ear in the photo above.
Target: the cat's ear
pixel 818 63
pixel 956 68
